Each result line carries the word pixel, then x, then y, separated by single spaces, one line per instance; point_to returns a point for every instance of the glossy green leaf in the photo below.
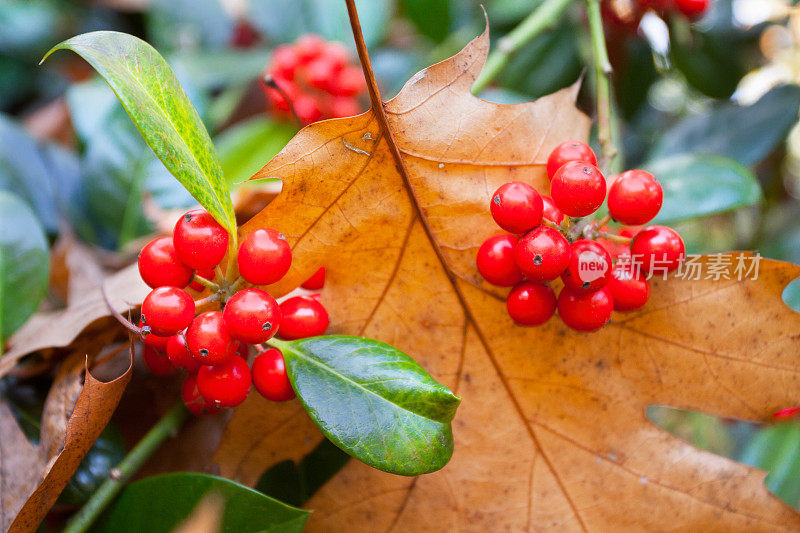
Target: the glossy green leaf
pixel 747 134
pixel 158 504
pixel 791 295
pixel 696 185
pixel 431 17
pixel 244 147
pixel 162 112
pixel 24 264
pixel 373 401
pixel 774 449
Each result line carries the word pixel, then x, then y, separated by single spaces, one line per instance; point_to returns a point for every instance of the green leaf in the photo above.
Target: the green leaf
pixel 162 112
pixel 243 148
pixel 746 134
pixel 159 503
pixel 24 264
pixel 791 295
pixel 696 185
pixel 431 17
pixel 373 401
pixel 774 449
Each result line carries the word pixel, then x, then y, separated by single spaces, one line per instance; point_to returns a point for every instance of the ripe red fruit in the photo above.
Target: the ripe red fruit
pixel 342 106
pixel 569 151
pixel 578 188
pixel 278 100
pixel 589 266
pixel 550 210
pixel 178 353
pixel 208 339
pixel 309 47
pixel 348 82
pixel 302 317
pixel 585 311
pixel 159 265
pixel 200 241
pixel 270 377
pixel 496 261
pixel 786 414
pixel 657 249
pixel 207 275
pixel 531 304
pixel 264 257
pixel 156 362
pixel 316 281
pixel 692 9
pixel 635 198
pixel 307 109
pixel 192 399
pixel 167 310
pixel 628 287
pixel 516 207
pixel 542 254
pixel 252 316
pixel 284 62
pixel 153 341
pixel 225 385
pixel 319 73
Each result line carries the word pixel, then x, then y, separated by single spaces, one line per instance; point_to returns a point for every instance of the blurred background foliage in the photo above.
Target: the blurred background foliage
pixel 711 107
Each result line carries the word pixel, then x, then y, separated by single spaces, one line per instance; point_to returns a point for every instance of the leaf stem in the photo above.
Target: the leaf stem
pixel 603 73
pixel 614 238
pixel 540 19
pixel 603 221
pixel 206 283
pixel 124 471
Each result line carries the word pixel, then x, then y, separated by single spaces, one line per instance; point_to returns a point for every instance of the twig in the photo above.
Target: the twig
pixel 206 283
pixel 121 319
pixel 603 73
pixel 615 238
pixel 540 19
pixel 270 82
pixel 603 221
pixel 103 496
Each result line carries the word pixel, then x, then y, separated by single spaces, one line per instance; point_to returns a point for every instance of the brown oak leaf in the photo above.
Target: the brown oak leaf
pixel 552 431
pixel 76 411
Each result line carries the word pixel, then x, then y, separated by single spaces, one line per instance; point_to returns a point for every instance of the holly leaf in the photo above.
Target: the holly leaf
pixel 76 411
pixel 160 109
pixel 552 431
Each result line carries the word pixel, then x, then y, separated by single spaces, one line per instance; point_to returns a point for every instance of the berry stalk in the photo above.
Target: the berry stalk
pixel 603 73
pixel 161 431
pixel 540 19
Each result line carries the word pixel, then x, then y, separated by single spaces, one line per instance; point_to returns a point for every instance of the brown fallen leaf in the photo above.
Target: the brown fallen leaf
pixel 76 411
pixel 74 269
pixel 552 431
pixel 84 316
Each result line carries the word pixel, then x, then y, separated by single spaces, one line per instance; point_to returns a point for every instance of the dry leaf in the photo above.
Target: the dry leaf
pixel 74 415
pixel 552 431
pixel 84 315
pixel 74 268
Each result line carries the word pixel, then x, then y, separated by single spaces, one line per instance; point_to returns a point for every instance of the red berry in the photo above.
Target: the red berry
pixel 278 100
pixel 589 266
pixel 635 198
pixel 227 384
pixel 153 341
pixel 316 281
pixel 496 261
pixel 516 207
pixel 167 310
pixel 569 151
pixel 319 73
pixel 628 287
pixel 657 249
pixel 531 304
pixel 252 316
pixel 344 106
pixel 264 257
pixel 307 109
pixel 200 240
pixel 244 35
pixel 309 47
pixel 578 188
pixel 159 265
pixel 786 414
pixel 284 62
pixel 207 275
pixel 208 339
pixel 348 82
pixel 156 362
pixel 550 210
pixel 270 377
pixel 585 311
pixel 542 254
pixel 178 353
pixel 192 399
pixel 302 317
pixel 337 54
pixel 692 9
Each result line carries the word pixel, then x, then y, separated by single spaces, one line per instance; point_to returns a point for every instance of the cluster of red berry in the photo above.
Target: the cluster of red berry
pixel 554 241
pixel 626 14
pixel 316 78
pixel 213 346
